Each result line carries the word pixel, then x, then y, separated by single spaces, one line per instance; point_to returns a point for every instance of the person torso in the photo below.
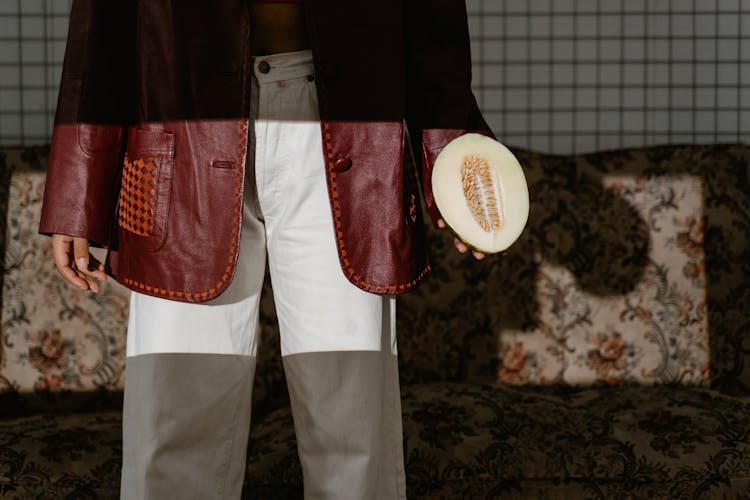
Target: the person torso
pixel 277 26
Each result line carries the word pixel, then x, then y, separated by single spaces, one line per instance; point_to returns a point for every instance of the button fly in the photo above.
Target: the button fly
pixel 264 67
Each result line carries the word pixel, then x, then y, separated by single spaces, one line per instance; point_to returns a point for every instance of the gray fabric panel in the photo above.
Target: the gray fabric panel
pixel 186 421
pixel 346 407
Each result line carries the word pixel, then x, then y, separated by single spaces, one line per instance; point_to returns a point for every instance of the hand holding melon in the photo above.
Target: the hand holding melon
pixel 481 192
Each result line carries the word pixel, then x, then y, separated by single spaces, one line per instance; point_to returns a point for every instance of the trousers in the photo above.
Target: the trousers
pixel 189 367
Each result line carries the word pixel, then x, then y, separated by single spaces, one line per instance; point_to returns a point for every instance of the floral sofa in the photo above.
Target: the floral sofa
pixel 607 355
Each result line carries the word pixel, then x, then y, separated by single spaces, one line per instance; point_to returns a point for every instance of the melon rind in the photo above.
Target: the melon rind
pixel 451 202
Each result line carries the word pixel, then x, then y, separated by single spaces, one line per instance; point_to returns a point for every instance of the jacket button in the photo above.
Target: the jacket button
pixel 342 164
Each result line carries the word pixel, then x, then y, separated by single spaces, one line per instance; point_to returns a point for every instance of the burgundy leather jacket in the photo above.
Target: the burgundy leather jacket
pixel 148 150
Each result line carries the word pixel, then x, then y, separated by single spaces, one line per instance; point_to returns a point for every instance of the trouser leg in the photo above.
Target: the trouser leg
pixel 338 342
pixel 185 425
pixel 347 418
pixel 188 382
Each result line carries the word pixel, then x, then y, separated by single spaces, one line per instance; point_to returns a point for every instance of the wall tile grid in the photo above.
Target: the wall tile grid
pixel 569 76
pixel 558 76
pixel 32 47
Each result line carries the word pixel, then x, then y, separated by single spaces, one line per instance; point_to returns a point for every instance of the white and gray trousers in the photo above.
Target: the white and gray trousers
pixel 190 366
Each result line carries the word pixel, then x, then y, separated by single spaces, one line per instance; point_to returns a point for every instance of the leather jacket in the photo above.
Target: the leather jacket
pixel 148 151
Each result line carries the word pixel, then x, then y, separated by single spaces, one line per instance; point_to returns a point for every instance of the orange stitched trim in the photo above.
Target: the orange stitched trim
pixel 412 208
pixel 337 216
pixel 137 196
pixel 244 124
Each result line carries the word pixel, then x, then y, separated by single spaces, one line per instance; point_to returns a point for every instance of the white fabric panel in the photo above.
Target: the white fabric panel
pixel 158 325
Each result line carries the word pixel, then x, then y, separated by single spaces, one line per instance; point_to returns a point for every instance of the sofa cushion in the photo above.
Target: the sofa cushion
pixel 61 348
pixel 484 441
pixel 633 269
pixel 61 456
pixel 461 441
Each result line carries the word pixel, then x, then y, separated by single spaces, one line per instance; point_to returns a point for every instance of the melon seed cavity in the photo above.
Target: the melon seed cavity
pixel 482 193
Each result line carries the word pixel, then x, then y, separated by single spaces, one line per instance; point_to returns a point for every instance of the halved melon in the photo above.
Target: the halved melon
pixel 480 190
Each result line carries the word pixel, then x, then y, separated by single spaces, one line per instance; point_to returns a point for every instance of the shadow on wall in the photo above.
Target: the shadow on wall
pixel 615 235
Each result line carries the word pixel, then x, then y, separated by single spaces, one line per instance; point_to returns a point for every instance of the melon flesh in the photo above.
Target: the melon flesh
pixel 480 190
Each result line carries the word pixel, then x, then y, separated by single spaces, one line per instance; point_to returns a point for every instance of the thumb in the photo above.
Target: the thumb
pixel 81 253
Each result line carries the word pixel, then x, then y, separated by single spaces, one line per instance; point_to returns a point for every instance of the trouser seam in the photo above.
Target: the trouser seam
pixel 224 469
pixel 395 443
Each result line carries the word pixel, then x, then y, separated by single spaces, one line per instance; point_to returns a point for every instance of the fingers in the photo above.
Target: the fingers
pixel 87 266
pixel 62 254
pixel 460 245
pixel 81 253
pixel 75 263
pixel 95 269
pixel 463 248
pixel 85 262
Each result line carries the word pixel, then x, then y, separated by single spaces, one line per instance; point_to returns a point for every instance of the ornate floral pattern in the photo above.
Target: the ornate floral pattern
pixel 61 456
pixel 605 356
pixel 56 339
pixel 501 441
pixel 633 270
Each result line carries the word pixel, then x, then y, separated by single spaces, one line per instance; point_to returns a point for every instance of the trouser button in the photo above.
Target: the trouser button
pixel 264 67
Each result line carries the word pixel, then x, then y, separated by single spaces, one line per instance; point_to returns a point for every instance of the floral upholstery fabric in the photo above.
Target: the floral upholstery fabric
pixel 634 268
pixel 56 338
pixel 605 356
pixel 461 441
pixel 61 348
pixel 77 455
pixel 499 441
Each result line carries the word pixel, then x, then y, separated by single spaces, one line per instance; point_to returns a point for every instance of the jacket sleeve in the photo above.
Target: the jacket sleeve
pixel 440 104
pixel 95 100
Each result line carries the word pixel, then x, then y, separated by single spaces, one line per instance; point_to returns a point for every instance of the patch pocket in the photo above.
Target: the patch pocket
pixel 143 207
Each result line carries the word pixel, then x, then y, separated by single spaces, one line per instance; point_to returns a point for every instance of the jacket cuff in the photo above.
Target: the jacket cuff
pixel 81 184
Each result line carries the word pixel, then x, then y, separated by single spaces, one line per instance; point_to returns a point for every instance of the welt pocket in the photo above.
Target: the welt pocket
pixel 224 164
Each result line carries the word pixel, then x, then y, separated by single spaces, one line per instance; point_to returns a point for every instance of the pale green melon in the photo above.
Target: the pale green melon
pixel 480 190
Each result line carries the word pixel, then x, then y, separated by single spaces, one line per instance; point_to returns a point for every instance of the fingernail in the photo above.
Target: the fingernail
pixel 82 262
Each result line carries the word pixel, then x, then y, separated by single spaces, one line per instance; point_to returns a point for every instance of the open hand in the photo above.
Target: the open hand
pixel 75 263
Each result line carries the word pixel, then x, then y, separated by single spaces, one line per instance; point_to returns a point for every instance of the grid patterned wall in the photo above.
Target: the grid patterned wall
pixel 553 75
pixel 584 75
pixel 32 47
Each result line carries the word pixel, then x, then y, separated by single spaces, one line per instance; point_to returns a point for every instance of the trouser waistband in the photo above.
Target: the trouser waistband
pixel 283 65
